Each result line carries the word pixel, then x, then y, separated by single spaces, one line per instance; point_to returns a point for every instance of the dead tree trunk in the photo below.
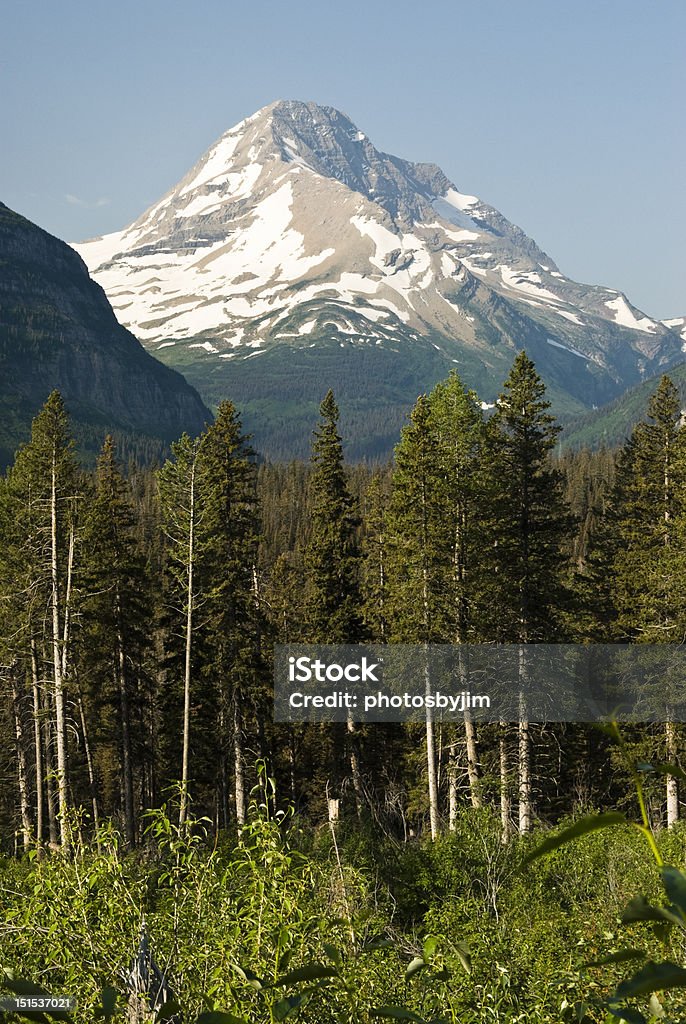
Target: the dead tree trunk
pixel 671 740
pixel 239 770
pixel 58 678
pixel 37 743
pixel 505 802
pixel 126 765
pixel 20 743
pixel 190 602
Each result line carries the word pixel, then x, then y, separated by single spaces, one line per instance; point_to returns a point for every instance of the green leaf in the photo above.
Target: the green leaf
pixel 591 823
pixel 24 988
pixel 286 1006
pixel 430 947
pixel 622 957
pixel 396 1013
pixel 332 952
pixel 663 769
pixel 219 1017
pixel 247 975
pixel 626 1013
pixel 674 882
pixel 416 965
pixel 652 978
pixel 640 910
pixel 309 972
pixel 462 950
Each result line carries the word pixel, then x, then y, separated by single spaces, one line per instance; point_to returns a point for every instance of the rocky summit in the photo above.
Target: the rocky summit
pixel 295 256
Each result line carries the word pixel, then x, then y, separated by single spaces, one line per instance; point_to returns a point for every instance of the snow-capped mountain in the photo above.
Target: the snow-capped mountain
pixel 296 241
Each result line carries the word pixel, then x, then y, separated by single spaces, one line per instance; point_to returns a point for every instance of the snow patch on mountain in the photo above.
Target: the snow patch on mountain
pixel 678 324
pixel 625 316
pixel 566 348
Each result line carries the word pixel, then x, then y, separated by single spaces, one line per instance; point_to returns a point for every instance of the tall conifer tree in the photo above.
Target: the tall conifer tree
pixel 235 661
pixel 647 541
pixel 333 576
pixel 528 522
pixel 117 624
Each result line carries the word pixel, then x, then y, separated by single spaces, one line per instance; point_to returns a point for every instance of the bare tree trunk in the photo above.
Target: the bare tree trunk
pixel 524 737
pixel 190 600
pixel 50 782
pixel 37 744
pixel 672 783
pixel 127 771
pixel 505 803
pixel 355 766
pixel 67 603
pixel 239 770
pixel 60 709
pixel 334 810
pixel 291 765
pixel 431 757
pixel 472 761
pixel 89 765
pixel 223 789
pixel 452 786
pixel 21 759
pixel 525 804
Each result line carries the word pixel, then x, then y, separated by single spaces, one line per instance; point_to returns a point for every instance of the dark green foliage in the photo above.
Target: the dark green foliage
pixel 527 522
pixel 332 558
pixel 117 621
pixel 648 524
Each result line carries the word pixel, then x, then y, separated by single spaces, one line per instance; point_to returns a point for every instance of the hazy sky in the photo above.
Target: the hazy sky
pixel 566 116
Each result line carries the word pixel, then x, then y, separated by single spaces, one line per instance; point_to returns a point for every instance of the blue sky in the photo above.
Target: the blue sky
pixel 566 116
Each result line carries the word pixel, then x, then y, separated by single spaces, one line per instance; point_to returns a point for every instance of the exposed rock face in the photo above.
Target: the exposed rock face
pixel 295 249
pixel 57 330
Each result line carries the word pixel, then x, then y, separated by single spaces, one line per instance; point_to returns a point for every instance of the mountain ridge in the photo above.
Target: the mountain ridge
pixel 58 331
pixel 293 237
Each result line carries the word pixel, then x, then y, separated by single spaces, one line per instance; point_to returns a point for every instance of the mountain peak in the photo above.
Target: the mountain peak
pixel 294 232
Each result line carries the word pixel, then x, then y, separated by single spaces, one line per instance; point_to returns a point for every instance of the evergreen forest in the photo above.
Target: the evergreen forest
pixel 170 853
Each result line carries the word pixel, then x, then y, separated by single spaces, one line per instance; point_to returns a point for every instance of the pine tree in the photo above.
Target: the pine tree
pixel 332 558
pixel 419 569
pixel 528 523
pixel 458 423
pixel 433 528
pixel 375 559
pixel 229 475
pixel 647 541
pixel 117 623
pixel 332 561
pixel 650 499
